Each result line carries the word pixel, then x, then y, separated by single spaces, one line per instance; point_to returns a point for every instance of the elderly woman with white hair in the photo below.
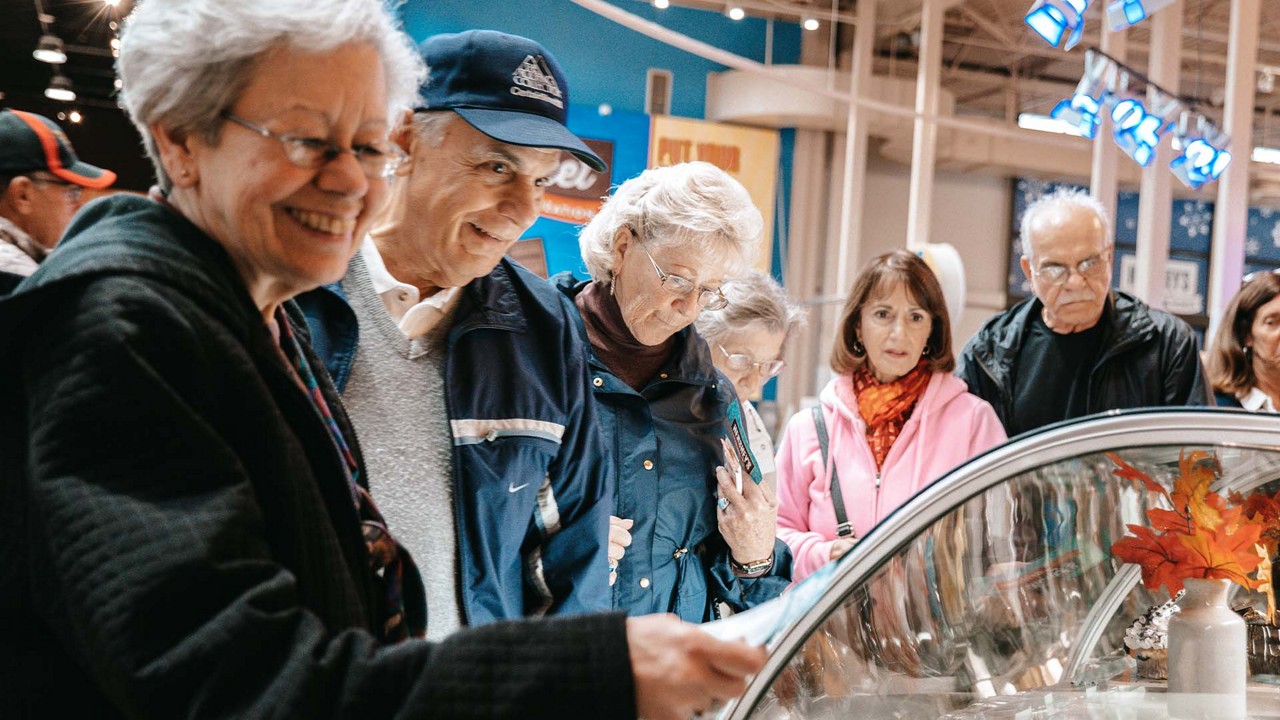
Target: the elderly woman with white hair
pixel 746 338
pixel 185 527
pixel 659 252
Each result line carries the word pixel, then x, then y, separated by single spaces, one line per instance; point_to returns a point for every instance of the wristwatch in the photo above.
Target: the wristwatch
pixel 751 569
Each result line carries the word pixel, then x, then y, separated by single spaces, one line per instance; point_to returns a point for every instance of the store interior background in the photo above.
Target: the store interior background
pixel 993 69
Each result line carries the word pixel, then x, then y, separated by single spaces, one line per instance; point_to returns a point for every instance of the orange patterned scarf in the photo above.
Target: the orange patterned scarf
pixel 886 407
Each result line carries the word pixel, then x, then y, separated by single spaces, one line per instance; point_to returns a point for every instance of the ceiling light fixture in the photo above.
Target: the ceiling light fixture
pixel 49 49
pixel 736 13
pixel 811 23
pixel 662 4
pixel 1266 155
pixel 60 89
pixel 75 117
pixel 1054 20
pixel 1044 123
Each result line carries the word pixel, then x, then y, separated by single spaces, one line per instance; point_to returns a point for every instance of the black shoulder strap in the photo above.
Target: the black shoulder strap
pixel 843 528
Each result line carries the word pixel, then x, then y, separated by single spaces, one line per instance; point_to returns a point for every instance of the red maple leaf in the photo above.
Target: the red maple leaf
pixel 1170 521
pixel 1159 556
pixel 1129 472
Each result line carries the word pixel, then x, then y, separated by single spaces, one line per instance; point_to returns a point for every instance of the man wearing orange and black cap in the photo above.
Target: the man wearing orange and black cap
pixel 40 184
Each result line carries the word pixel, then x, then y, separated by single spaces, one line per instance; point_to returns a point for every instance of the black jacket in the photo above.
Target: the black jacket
pixel 1148 359
pixel 177 538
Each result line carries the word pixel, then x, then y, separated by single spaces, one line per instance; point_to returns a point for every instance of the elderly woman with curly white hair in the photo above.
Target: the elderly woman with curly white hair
pixel 658 253
pixel 746 338
pixel 185 526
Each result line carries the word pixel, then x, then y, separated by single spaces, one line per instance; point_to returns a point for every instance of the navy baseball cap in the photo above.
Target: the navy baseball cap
pixel 30 142
pixel 507 87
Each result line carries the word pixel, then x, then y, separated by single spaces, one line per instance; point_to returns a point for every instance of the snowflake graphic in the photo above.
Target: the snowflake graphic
pixel 1275 235
pixel 1197 218
pixel 1131 223
pixel 1033 189
pixel 1266 212
pixel 1252 247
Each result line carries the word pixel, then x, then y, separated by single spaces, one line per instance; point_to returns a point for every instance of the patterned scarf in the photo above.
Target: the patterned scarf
pixel 886 407
pixel 403 613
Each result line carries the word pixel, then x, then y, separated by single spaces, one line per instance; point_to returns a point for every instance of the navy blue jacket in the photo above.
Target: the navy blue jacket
pixel 516 391
pixel 665 442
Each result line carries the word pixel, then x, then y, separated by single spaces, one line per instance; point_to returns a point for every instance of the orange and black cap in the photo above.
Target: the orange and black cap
pixel 30 142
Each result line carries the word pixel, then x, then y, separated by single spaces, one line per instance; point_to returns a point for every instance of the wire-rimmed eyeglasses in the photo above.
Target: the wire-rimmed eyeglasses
pixel 1089 268
pixel 742 363
pixel 709 298
pixel 312 153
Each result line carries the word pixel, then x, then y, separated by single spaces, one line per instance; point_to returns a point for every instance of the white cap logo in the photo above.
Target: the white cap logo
pixel 533 79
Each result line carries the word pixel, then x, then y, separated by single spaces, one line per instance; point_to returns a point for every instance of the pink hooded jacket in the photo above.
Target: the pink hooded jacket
pixel 947 427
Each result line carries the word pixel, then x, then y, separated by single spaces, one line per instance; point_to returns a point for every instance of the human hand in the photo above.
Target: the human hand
pixel 681 671
pixel 619 540
pixel 748 520
pixel 841 546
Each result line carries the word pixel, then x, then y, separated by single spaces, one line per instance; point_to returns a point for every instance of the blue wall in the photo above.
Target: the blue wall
pixel 604 61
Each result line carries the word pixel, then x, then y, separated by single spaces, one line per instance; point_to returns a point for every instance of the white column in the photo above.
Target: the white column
pixel 855 147
pixel 1230 213
pixel 1106 154
pixel 1155 200
pixel 924 143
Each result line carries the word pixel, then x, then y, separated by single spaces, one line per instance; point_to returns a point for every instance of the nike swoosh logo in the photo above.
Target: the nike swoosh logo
pixel 512 488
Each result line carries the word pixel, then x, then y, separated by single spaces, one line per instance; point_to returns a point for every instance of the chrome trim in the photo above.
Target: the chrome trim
pixel 1097 433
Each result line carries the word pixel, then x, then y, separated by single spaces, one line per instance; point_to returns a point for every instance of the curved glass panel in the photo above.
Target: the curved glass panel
pixel 994 594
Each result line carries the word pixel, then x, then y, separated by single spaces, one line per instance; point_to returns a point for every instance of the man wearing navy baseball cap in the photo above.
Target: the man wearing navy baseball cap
pixel 40 184
pixel 460 369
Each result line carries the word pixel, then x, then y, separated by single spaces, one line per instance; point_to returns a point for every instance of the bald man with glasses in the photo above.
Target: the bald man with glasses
pixel 1077 347
pixel 41 181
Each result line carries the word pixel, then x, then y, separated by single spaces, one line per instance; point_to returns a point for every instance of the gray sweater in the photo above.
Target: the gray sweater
pixel 395 398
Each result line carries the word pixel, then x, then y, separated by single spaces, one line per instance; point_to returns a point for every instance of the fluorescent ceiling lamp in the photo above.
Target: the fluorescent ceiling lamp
pixel 662 4
pixel 60 89
pixel 1044 123
pixel 1266 155
pixel 737 13
pixel 811 23
pixel 49 49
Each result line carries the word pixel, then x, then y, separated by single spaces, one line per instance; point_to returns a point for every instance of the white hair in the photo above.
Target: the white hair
pixel 183 62
pixel 693 205
pixel 1066 198
pixel 754 299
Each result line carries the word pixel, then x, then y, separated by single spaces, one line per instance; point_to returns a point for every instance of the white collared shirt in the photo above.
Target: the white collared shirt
pixel 415 317
pixel 1256 401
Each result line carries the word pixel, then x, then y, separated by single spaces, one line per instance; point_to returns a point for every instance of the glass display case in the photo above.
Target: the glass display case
pixel 994 594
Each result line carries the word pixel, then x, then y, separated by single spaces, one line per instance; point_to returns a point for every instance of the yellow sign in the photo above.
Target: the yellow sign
pixel 750 155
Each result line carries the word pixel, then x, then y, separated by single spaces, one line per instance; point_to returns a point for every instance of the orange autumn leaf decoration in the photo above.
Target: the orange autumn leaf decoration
pixel 1203 536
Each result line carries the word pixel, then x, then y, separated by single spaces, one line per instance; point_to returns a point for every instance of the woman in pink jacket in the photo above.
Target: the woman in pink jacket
pixel 895 417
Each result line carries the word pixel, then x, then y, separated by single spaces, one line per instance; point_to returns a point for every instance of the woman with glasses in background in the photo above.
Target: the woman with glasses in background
pixel 659 252
pixel 746 339
pixel 1244 360
pixel 893 419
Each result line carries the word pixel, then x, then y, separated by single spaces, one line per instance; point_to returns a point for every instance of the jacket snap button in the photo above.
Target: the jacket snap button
pixel 648 464
pixel 663 376
pixel 597 382
pixel 644 582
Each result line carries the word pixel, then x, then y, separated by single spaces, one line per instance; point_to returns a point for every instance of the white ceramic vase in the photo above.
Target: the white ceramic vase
pixel 1208 662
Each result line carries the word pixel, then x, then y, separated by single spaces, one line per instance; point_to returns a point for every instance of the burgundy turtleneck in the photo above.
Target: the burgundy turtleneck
pixel 612 340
